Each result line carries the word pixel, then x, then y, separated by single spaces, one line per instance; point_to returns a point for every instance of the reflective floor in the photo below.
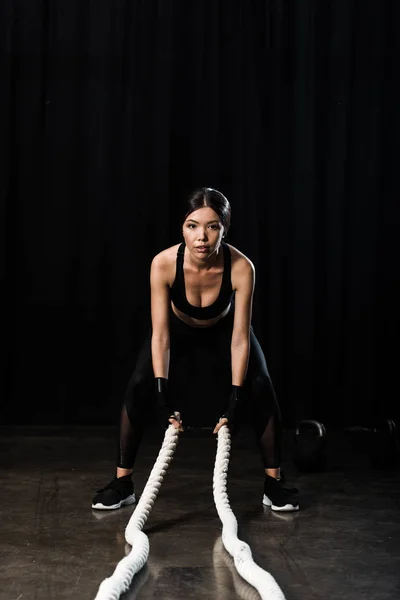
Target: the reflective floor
pixel 343 543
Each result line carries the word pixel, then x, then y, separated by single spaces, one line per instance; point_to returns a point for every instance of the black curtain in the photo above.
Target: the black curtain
pixel 111 111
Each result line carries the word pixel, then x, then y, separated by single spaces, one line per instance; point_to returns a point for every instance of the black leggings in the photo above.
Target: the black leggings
pixel 199 383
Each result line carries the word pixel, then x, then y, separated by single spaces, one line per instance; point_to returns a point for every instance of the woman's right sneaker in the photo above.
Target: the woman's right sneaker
pixel 117 493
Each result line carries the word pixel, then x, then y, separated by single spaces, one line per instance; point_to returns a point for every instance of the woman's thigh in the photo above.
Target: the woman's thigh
pixel 139 395
pixel 259 398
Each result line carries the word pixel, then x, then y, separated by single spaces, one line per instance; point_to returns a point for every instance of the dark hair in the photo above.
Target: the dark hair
pixel 214 199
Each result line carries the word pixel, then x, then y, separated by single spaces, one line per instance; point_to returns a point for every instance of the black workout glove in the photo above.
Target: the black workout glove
pixel 164 410
pixel 234 400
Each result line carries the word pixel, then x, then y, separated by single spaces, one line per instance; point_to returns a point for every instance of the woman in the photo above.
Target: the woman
pixel 202 356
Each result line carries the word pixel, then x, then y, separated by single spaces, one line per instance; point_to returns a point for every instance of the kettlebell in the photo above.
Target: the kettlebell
pixel 310 446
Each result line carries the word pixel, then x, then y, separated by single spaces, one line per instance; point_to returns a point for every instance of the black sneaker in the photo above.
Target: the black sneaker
pixel 117 493
pixel 278 497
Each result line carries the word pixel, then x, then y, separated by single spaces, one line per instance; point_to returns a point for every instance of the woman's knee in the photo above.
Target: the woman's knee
pixel 264 400
pixel 138 394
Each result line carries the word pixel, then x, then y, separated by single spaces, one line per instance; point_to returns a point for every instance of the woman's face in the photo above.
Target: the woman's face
pixel 203 231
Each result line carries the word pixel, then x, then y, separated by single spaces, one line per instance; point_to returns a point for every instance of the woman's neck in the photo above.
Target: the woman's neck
pixel 204 265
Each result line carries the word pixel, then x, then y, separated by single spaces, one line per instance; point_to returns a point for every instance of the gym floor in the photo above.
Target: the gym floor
pixel 343 543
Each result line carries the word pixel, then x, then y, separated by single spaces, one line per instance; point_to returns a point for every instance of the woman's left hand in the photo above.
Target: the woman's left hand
pixel 220 424
pixel 177 423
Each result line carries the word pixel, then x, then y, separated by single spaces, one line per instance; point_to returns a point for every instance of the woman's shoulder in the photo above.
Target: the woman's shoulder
pixel 163 264
pixel 166 256
pixel 240 262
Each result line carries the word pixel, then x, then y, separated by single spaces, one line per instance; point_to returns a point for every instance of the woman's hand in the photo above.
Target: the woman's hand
pixel 176 422
pixel 220 424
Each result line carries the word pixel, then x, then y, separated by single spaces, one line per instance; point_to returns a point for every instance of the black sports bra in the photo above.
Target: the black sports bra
pixel 178 292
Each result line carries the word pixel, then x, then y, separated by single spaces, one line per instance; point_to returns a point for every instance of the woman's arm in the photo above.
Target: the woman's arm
pixel 160 340
pixel 240 344
pixel 244 279
pixel 160 346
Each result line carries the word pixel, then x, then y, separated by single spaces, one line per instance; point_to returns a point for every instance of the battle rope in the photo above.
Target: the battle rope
pixel 112 587
pixel 228 574
pixel 119 582
pixel 264 583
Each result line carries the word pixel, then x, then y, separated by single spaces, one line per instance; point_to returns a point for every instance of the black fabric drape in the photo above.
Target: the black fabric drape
pixel 112 111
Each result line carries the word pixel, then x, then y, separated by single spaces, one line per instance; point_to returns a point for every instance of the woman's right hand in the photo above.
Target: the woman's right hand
pixel 165 413
pixel 176 422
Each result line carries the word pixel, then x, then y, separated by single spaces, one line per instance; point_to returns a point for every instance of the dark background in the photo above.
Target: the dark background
pixel 111 111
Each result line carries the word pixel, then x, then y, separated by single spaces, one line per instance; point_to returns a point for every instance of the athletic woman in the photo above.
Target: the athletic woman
pixel 201 358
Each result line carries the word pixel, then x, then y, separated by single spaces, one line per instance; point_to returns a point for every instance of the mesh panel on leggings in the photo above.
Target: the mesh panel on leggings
pixel 129 441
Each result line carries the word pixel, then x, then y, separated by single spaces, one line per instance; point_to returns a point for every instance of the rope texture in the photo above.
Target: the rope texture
pixel 119 582
pixel 264 583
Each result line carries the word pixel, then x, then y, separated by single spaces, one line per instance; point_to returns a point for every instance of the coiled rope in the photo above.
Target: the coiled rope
pixel 264 583
pixel 119 582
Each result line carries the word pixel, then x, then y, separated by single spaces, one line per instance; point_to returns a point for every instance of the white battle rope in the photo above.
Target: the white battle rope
pixel 264 583
pixel 119 582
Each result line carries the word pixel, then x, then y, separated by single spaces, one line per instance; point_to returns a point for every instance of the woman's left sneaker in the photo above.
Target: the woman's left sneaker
pixel 278 497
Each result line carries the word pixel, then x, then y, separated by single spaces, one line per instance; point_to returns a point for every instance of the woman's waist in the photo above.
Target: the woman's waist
pixel 186 321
